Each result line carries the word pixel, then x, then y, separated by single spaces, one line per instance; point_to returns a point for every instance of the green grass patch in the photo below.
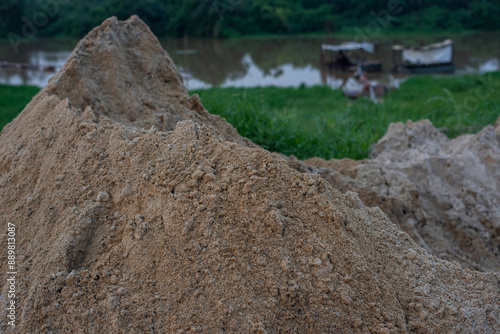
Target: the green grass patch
pixel 13 99
pixel 319 121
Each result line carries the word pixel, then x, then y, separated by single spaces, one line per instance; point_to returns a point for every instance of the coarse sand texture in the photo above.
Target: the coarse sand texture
pixel 137 211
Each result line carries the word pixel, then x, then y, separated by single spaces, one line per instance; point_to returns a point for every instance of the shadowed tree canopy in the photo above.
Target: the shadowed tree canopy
pixel 227 18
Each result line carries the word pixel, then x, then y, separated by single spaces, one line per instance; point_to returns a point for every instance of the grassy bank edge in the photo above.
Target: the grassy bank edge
pixel 319 121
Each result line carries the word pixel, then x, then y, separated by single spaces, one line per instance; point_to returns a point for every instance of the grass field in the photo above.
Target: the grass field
pixel 13 99
pixel 319 121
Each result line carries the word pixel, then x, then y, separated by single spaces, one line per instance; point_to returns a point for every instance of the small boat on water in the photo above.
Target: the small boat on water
pixel 433 58
pixel 347 56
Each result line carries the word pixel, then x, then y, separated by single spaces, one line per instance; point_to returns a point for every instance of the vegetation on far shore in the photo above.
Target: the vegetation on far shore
pixel 235 18
pixel 319 121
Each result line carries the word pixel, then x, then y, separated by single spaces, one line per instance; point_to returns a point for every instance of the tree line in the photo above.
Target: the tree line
pixel 232 18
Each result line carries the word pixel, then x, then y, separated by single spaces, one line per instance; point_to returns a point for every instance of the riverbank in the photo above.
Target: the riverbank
pixel 350 32
pixel 353 32
pixel 319 121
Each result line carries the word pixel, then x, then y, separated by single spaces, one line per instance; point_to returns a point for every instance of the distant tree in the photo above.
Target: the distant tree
pixel 222 18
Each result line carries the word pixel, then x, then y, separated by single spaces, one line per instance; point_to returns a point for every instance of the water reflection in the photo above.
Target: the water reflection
pixel 25 77
pixel 39 58
pixel 286 75
pixel 44 58
pixel 283 62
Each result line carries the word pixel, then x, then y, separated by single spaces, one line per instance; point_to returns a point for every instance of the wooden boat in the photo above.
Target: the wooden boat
pixel 347 56
pixel 434 58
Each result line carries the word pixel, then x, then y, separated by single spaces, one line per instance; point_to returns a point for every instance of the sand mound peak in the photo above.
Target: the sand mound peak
pixel 121 71
pixel 130 229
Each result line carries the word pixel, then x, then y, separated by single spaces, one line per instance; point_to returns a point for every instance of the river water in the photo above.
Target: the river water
pixel 249 62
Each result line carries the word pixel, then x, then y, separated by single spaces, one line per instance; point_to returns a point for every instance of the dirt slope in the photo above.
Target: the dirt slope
pixel 126 229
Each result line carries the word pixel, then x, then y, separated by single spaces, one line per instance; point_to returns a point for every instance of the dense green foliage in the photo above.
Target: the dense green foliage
pixel 13 99
pixel 319 121
pixel 216 18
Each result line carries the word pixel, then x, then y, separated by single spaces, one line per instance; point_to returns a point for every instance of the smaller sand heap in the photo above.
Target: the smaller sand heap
pixel 126 228
pixel 444 193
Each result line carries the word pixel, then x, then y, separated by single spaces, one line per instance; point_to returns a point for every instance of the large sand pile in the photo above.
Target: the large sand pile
pixel 123 228
pixel 444 193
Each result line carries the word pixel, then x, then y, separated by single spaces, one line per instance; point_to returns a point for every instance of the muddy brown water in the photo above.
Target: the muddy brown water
pixel 251 62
